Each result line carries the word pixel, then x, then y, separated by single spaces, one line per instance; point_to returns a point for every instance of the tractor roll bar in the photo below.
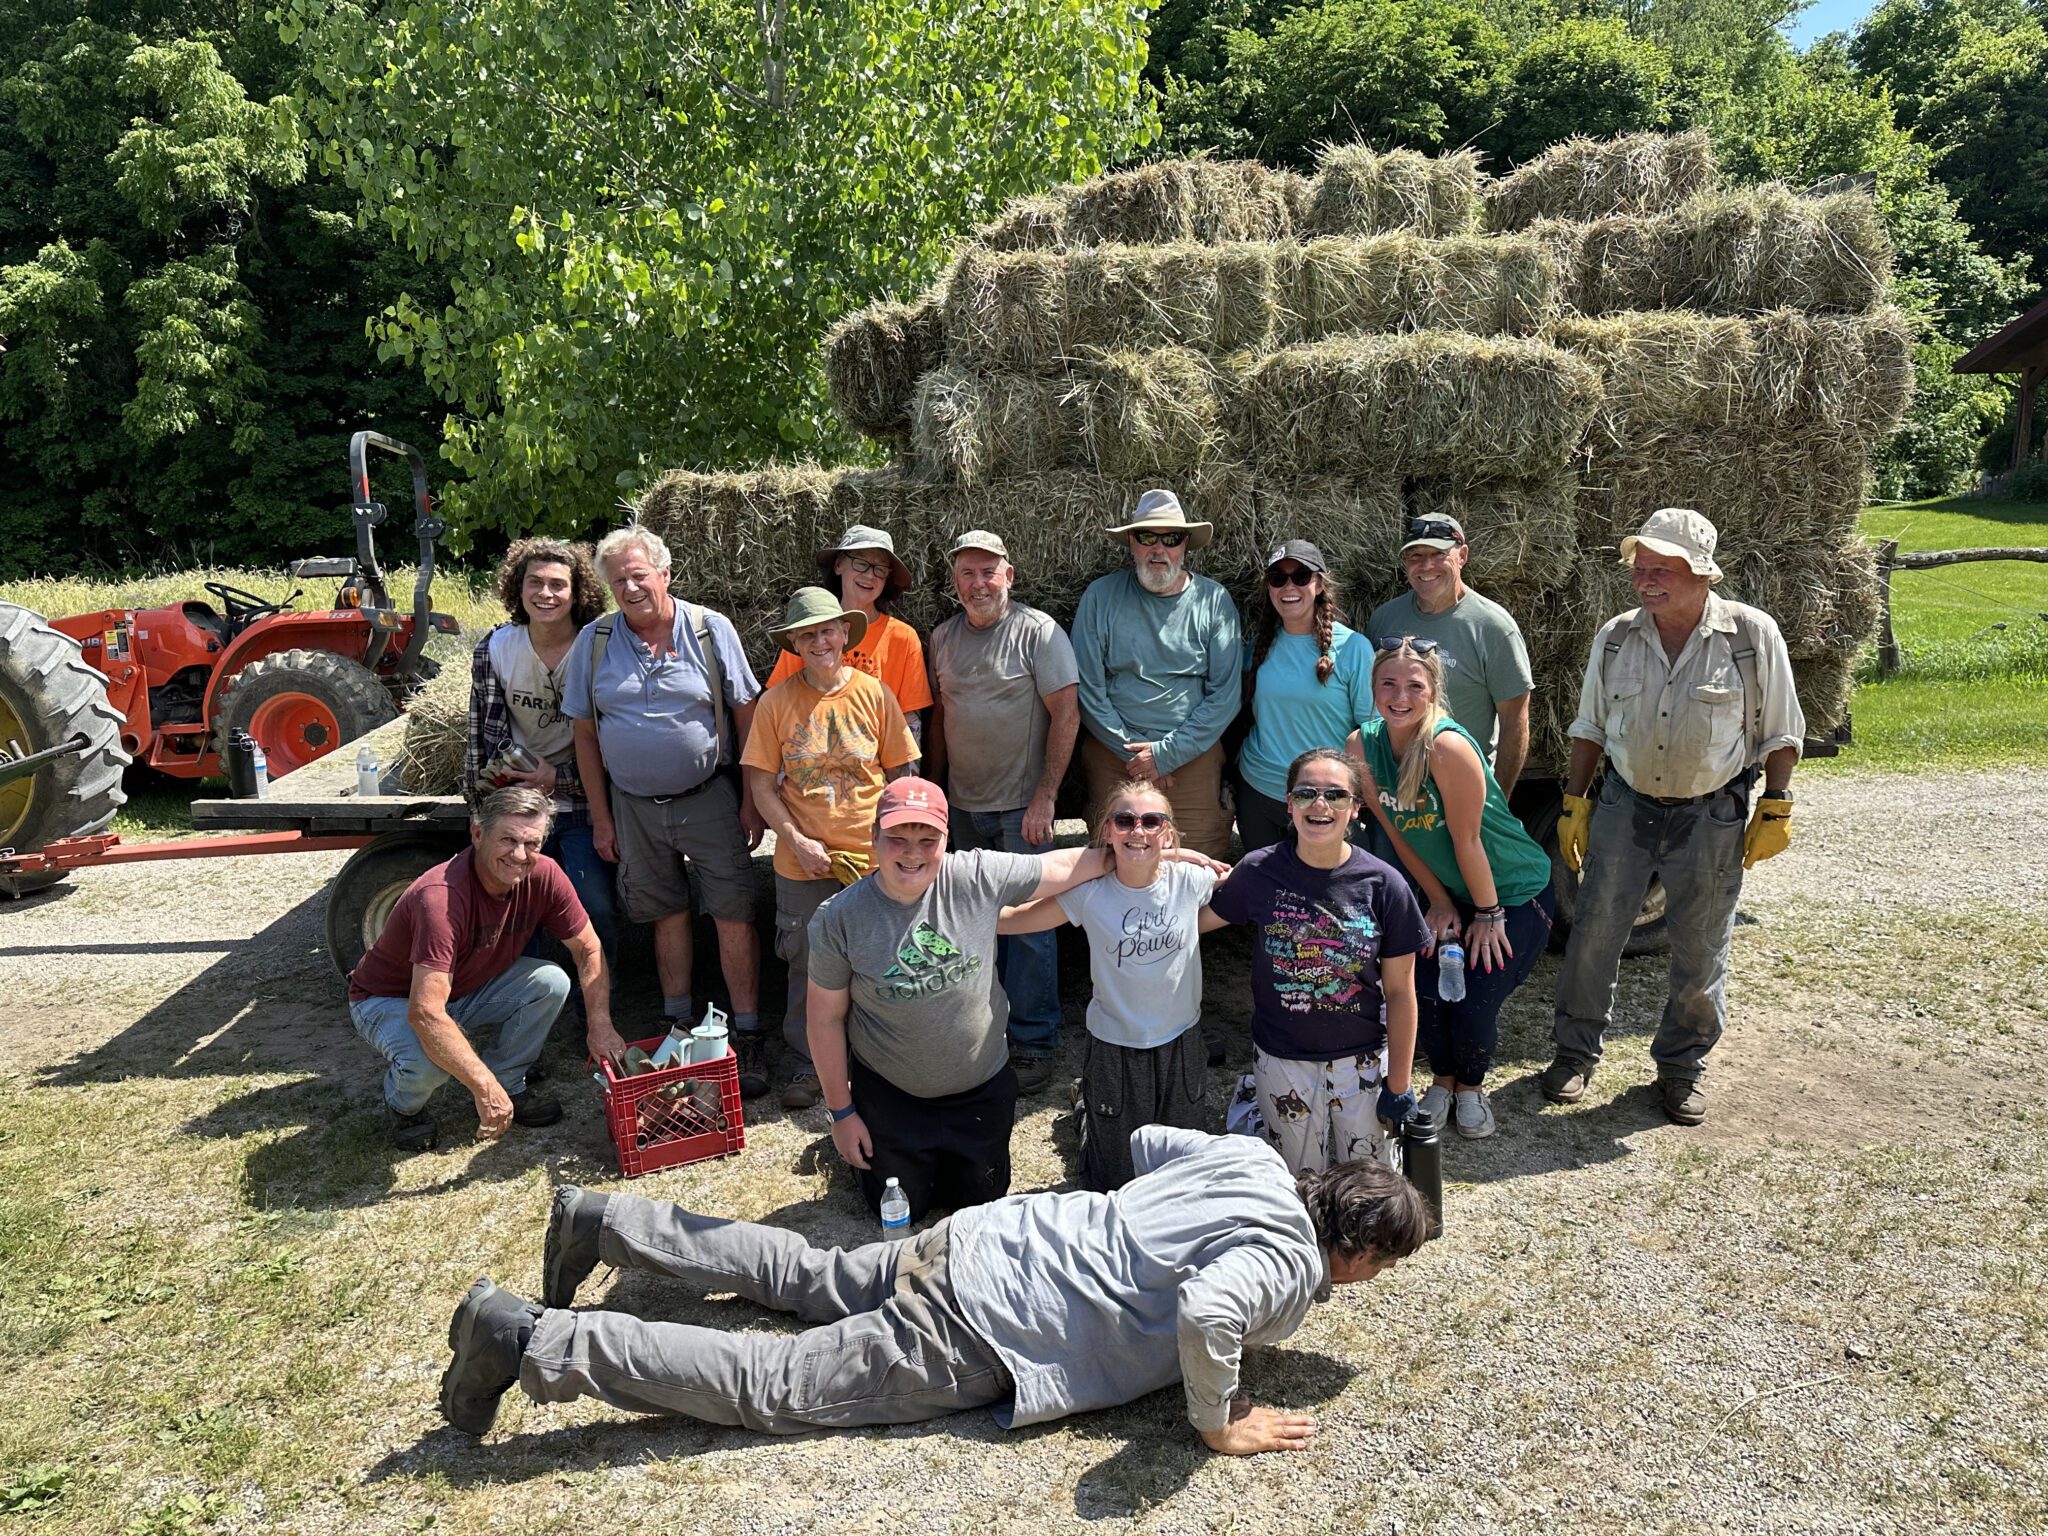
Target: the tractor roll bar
pixel 425 524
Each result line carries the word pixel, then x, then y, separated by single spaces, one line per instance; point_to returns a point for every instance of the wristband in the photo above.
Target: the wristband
pixel 841 1114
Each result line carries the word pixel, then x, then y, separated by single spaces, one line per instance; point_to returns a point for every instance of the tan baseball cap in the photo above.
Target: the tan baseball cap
pixel 982 539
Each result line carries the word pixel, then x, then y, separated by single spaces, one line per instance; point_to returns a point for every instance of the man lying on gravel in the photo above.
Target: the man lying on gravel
pixel 1037 1305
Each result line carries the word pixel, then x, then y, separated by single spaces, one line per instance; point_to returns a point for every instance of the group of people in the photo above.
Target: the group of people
pixel 911 787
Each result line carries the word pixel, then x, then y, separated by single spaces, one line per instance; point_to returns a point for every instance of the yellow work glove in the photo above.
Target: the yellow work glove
pixel 1573 822
pixel 1770 831
pixel 849 867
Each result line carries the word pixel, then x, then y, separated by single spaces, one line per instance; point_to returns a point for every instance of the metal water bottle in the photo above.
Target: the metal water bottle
pixel 1422 1160
pixel 240 762
pixel 895 1211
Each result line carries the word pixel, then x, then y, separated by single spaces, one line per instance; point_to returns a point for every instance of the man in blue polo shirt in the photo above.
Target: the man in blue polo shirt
pixel 649 689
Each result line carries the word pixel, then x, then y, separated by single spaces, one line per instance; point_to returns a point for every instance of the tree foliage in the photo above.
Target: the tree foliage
pixel 651 213
pixel 1586 75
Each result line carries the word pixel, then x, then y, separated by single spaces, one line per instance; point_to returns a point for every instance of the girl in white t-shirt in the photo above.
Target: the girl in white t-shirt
pixel 1146 1063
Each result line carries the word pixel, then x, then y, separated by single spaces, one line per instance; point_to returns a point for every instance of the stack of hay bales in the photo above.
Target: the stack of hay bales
pixel 1548 357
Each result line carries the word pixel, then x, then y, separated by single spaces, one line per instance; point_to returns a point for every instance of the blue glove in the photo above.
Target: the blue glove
pixel 1395 1108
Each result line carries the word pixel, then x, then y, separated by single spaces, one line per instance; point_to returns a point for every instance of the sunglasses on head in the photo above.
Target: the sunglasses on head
pixel 1309 794
pixel 1150 536
pixel 1141 821
pixel 1420 645
pixel 1433 528
pixel 1300 576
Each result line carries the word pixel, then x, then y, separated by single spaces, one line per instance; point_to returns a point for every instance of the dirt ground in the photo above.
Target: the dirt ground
pixel 1822 1311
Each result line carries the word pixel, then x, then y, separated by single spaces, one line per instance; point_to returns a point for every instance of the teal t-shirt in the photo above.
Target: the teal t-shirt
pixel 1292 712
pixel 1520 866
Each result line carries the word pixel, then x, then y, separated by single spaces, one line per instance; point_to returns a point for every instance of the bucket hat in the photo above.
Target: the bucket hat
pixel 1161 512
pixel 1681 534
pixel 859 537
pixel 814 605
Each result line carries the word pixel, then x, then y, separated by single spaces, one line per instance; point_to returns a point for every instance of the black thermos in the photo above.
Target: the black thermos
pixel 1422 1160
pixel 240 760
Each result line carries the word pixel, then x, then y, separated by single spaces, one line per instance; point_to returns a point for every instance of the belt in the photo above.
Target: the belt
pixel 1741 781
pixel 684 794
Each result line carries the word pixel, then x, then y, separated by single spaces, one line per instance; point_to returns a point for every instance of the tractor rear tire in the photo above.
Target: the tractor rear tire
pixel 359 902
pixel 47 696
pixel 301 705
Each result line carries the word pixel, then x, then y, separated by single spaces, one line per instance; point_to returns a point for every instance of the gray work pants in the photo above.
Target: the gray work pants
pixel 796 903
pixel 892 1346
pixel 1696 850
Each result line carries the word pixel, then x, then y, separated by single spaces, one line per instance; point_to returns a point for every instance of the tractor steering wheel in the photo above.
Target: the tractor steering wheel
pixel 242 606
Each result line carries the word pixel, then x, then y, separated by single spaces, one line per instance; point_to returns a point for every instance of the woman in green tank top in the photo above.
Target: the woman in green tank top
pixel 1479 875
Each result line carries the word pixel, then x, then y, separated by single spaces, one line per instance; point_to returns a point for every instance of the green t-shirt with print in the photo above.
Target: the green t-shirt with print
pixel 1520 866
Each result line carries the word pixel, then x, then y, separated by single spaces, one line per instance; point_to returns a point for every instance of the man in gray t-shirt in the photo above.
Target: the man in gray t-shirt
pixel 1001 733
pixel 905 1015
pixel 1487 681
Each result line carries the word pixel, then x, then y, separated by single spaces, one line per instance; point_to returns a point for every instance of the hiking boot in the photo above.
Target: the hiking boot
pixel 571 1253
pixel 1435 1105
pixel 802 1091
pixel 1474 1115
pixel 1212 1041
pixel 1033 1073
pixel 411 1133
pixel 489 1335
pixel 531 1107
pixel 751 1047
pixel 1683 1101
pixel 1564 1081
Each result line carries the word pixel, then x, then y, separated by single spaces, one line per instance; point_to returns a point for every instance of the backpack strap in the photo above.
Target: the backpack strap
pixel 700 626
pixel 1746 636
pixel 600 637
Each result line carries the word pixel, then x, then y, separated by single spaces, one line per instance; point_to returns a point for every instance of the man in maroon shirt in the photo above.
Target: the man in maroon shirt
pixel 451 964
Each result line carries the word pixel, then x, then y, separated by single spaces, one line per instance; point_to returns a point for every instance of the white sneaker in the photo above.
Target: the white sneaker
pixel 1475 1114
pixel 1435 1103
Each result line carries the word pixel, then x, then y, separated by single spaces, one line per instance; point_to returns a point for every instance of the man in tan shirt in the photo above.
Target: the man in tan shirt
pixel 1685 696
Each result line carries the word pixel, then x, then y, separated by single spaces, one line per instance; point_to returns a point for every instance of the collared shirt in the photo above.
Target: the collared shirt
pixel 1162 669
pixel 1681 728
pixel 655 724
pixel 1093 1300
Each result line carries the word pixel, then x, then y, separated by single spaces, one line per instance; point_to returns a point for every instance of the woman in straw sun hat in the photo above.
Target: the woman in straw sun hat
pixel 865 571
pixel 824 742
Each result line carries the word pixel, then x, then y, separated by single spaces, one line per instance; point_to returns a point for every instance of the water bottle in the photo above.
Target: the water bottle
pixel 675 1050
pixel 240 762
pixel 1450 971
pixel 1422 1160
pixel 259 767
pixel 895 1211
pixel 366 771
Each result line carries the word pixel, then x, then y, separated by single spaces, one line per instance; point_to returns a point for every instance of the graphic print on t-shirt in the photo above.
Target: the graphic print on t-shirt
pixel 1317 955
pixel 1149 934
pixel 928 962
pixel 831 756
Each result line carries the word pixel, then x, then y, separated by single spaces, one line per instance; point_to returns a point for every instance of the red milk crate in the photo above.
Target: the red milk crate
pixel 655 1123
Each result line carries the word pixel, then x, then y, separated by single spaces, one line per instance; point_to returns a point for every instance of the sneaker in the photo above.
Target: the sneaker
pixel 532 1107
pixel 802 1091
pixel 751 1046
pixel 571 1253
pixel 1564 1081
pixel 1033 1072
pixel 1683 1101
pixel 411 1133
pixel 489 1334
pixel 1475 1114
pixel 1435 1104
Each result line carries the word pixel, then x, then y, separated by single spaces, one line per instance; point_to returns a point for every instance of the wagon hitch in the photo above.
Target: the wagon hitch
pixel 12 768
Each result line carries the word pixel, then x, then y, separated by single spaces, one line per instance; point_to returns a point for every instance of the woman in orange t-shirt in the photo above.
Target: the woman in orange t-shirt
pixel 863 568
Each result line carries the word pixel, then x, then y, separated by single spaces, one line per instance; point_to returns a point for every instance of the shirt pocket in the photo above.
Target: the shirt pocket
pixel 1713 717
pixel 1623 688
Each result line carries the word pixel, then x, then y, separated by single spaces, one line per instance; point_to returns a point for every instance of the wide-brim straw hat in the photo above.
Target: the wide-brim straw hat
pixel 1161 512
pixel 815 605
pixel 1678 533
pixel 860 537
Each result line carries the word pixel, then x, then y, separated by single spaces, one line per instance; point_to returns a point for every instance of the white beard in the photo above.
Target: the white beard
pixel 1160 583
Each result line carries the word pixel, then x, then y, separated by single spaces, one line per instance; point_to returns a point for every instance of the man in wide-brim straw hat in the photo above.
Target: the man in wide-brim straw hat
pixel 1158 654
pixel 864 569
pixel 1689 698
pixel 824 742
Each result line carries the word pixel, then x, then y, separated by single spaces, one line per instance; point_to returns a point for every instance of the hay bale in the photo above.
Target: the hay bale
pixel 1028 224
pixel 1122 296
pixel 1754 487
pixel 1147 414
pixel 1737 252
pixel 1826 685
pixel 874 358
pixel 1428 403
pixel 975 427
pixel 1585 179
pixel 1356 522
pixel 1174 200
pixel 1358 191
pixel 436 740
pixel 1006 309
pixel 1522 533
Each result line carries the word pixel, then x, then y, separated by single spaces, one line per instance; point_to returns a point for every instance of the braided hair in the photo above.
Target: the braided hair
pixel 1328 614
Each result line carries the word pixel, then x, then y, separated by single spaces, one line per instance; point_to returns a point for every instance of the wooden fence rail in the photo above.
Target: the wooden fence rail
pixel 1889 559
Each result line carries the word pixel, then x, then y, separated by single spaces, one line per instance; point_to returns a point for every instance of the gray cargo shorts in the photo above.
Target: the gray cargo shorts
pixel 661 841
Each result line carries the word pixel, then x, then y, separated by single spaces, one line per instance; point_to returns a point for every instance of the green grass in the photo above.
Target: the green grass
pixel 1972 690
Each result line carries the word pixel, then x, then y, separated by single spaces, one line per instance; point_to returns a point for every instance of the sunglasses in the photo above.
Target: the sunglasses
pixel 1419 644
pixel 1150 536
pixel 866 567
pixel 1294 578
pixel 1308 794
pixel 1141 821
pixel 1433 528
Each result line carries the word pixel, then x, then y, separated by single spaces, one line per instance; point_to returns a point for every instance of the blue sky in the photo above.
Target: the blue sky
pixel 1825 16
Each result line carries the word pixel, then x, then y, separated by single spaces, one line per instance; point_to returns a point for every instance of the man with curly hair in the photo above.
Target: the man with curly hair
pixel 550 590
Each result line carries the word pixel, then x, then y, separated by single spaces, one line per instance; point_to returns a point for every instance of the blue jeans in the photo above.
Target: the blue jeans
pixel 1029 963
pixel 1696 850
pixel 1460 1038
pixel 522 1002
pixel 573 846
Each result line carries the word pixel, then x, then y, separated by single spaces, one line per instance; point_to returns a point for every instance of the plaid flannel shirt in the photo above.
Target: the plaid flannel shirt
pixel 491 731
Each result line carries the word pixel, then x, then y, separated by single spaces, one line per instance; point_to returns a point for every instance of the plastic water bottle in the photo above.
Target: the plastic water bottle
pixel 260 766
pixel 366 770
pixel 675 1050
pixel 895 1211
pixel 1450 971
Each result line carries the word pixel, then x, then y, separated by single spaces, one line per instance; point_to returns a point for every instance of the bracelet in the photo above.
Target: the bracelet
pixel 1490 915
pixel 841 1114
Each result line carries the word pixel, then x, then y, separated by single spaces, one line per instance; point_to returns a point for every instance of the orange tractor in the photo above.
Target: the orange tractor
pixel 168 688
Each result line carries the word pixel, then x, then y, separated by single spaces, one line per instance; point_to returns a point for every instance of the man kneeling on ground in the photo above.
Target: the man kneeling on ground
pixel 450 963
pixel 1038 1305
